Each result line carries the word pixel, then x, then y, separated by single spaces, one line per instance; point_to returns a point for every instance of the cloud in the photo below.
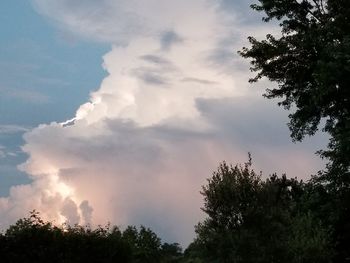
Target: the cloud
pixel 70 212
pixel 120 21
pixel 4 152
pixel 86 211
pixel 169 38
pixel 30 96
pixel 10 128
pixel 173 106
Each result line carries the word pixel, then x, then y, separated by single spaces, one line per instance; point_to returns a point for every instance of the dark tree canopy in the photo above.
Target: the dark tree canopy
pixel 310 62
pixel 34 240
pixel 255 220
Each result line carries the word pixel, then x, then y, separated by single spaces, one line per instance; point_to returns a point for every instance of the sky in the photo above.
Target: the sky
pixel 119 110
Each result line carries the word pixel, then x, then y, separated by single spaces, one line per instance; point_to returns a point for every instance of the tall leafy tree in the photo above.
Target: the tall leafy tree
pixel 310 62
pixel 255 220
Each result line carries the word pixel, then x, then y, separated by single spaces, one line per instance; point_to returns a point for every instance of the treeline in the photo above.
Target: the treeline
pixel 33 240
pixel 273 220
pixel 249 219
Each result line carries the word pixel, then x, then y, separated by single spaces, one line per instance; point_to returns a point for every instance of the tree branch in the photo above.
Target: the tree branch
pixel 308 11
pixel 317 5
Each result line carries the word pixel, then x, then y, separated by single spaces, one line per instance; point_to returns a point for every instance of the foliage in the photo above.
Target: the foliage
pixel 172 253
pixel 33 240
pixel 255 220
pixel 310 62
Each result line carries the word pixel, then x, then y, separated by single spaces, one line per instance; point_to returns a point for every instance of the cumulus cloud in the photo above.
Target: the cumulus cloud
pixel 120 21
pixel 174 104
pixel 70 212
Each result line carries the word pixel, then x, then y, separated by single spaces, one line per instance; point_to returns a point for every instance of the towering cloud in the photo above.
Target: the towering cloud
pixel 174 104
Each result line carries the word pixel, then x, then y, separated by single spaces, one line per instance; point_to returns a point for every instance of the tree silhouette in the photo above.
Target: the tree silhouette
pixel 255 220
pixel 310 63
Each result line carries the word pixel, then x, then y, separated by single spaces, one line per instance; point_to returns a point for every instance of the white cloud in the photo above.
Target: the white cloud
pixel 11 128
pixel 25 95
pixel 120 21
pixel 5 152
pixel 139 150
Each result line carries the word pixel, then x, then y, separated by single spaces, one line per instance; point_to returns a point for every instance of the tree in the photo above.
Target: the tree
pixel 194 253
pixel 310 62
pixel 255 220
pixel 34 240
pixel 149 246
pixel 171 253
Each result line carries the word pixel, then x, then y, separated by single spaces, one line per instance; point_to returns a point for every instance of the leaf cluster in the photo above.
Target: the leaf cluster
pixel 254 220
pixel 310 62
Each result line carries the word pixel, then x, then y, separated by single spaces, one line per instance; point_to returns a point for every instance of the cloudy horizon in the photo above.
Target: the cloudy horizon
pixel 174 103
